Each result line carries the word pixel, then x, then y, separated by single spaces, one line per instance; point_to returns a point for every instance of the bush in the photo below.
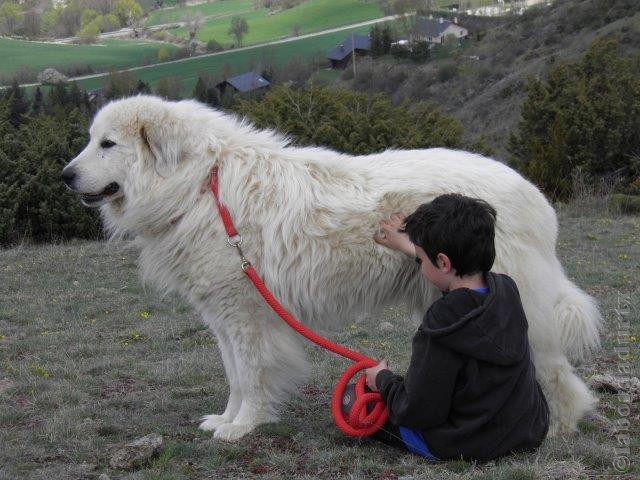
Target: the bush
pixel 34 203
pixel 352 122
pixel 447 72
pixel 163 55
pixel 214 46
pixel 585 115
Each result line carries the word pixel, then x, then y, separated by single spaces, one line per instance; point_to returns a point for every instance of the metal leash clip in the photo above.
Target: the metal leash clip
pixel 235 241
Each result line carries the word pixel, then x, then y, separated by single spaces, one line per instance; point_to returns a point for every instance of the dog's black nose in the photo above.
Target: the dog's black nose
pixel 68 174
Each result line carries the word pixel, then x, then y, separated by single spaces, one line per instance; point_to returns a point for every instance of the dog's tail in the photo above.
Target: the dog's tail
pixel 579 319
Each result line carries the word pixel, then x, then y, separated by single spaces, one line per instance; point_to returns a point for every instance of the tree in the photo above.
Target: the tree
pixel 120 84
pixel 18 104
pixel 585 115
pixel 38 102
pixel 205 91
pixel 193 23
pixel 239 28
pixel 163 55
pixel 128 12
pixel 89 33
pixel 143 88
pixel 70 18
pixel 32 23
pixel 170 88
pixel 10 17
pixel 406 9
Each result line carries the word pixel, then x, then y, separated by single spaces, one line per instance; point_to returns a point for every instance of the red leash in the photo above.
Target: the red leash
pixel 359 423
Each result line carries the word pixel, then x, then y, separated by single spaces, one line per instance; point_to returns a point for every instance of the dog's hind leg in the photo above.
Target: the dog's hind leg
pixel 211 422
pixel 270 364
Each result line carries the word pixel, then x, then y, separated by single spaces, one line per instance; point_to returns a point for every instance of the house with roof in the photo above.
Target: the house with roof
pixel 247 82
pixel 341 55
pixel 435 31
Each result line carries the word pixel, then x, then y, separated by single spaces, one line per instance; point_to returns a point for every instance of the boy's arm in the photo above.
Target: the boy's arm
pixel 422 399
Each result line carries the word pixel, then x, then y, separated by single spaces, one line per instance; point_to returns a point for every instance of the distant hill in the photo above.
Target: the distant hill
pixel 483 84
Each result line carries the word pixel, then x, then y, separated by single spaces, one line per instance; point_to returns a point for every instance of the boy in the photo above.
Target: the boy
pixel 470 391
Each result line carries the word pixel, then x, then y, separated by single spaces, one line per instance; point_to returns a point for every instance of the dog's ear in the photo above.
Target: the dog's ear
pixel 163 146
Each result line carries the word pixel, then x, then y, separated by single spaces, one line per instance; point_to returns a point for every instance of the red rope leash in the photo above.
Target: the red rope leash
pixel 359 423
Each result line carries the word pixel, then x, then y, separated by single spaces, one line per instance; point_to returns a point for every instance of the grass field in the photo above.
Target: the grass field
pixel 89 360
pixel 311 16
pixel 213 9
pixel 242 61
pixel 37 56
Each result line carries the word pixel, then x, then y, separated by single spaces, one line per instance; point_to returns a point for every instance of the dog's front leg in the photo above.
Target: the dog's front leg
pixel 269 365
pixel 211 422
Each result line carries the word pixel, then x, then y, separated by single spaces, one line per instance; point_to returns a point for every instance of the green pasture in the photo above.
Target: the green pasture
pixel 240 62
pixel 309 17
pixel 212 9
pixel 37 56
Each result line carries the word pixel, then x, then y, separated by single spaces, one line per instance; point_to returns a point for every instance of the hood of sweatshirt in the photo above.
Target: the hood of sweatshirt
pixel 490 327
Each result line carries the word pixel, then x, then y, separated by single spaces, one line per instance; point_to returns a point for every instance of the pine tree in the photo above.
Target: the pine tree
pixel 386 39
pixel 143 88
pixel 18 103
pixel 375 34
pixel 38 102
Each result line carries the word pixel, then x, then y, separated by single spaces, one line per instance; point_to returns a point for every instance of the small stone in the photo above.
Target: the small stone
pixel 104 476
pixel 89 467
pixel 137 452
pixel 76 283
pixel 386 327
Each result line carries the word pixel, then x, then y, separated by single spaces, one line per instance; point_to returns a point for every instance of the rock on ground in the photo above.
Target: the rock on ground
pixel 137 452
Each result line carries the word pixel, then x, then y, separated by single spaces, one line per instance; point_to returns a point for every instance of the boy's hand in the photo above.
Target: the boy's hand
pixel 372 372
pixel 391 238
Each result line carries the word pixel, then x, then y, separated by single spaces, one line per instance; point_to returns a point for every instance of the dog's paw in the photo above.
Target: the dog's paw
pixel 211 422
pixel 232 431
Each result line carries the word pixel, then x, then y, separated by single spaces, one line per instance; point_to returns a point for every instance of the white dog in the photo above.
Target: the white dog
pixel 307 217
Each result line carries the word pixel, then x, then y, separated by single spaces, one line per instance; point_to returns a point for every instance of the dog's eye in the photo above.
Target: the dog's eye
pixel 107 144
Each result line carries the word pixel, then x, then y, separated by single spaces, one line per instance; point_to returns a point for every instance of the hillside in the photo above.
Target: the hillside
pixel 483 84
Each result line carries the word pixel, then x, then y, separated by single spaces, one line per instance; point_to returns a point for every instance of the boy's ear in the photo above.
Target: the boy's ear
pixel 444 263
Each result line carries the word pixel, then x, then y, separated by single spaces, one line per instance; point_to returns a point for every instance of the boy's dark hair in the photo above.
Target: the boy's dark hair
pixel 462 228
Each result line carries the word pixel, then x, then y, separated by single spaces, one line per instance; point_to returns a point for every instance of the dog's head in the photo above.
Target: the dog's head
pixel 138 139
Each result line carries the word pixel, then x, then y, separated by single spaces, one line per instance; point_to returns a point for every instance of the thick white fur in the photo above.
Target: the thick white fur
pixel 307 217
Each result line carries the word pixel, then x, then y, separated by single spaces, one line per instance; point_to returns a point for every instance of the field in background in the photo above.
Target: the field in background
pixel 36 56
pixel 212 9
pixel 309 17
pixel 241 62
pixel 90 360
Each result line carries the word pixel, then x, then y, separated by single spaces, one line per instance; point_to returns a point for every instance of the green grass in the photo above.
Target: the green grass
pixel 241 61
pixel 73 388
pixel 212 9
pixel 109 54
pixel 311 16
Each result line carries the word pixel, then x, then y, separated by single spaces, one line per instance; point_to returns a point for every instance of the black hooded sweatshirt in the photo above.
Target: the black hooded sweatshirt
pixel 471 386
